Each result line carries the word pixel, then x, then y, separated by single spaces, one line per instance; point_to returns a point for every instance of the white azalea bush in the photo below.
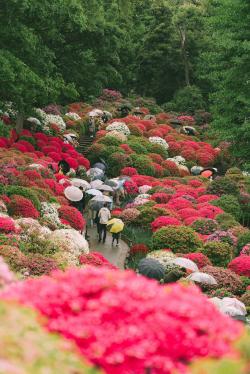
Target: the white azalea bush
pixel 49 119
pixel 50 213
pixel 120 127
pixel 118 135
pixel 70 240
pixel 159 140
pixel 178 160
pixel 72 116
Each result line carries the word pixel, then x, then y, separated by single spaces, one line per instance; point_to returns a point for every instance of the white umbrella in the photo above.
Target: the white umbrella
pixel 94 192
pixel 95 113
pixel 103 198
pixel 80 183
pixel 231 311
pixel 185 263
pixel 73 193
pixel 202 278
pixel 104 187
pixel 232 302
pixel 96 183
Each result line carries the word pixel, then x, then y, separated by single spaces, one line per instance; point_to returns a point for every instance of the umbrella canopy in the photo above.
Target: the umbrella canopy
pixel 102 198
pixel 113 183
pixel 80 183
pixel 96 183
pixel 94 192
pixel 94 173
pixel 196 170
pixel 105 187
pixel 100 165
pixel 117 225
pixel 185 263
pixel 231 311
pixel 202 278
pixel 232 302
pixel 151 268
pixel 95 113
pixel 206 173
pixel 73 193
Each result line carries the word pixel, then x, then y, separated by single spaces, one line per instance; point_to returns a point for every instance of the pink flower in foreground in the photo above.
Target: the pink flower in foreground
pixel 121 321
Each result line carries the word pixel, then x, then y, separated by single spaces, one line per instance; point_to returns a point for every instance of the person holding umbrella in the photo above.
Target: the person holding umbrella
pixel 104 215
pixel 116 228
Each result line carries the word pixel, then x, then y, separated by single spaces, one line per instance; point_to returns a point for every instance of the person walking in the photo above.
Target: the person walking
pixel 117 226
pixel 104 216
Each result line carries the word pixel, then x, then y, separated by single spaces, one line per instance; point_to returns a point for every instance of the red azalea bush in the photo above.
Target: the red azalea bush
pixel 129 171
pixel 199 258
pixel 240 265
pixel 95 259
pixel 73 216
pixel 7 224
pixel 116 212
pixel 139 248
pixel 22 207
pixel 164 221
pixel 129 319
pixel 131 187
pixel 178 203
pixel 38 264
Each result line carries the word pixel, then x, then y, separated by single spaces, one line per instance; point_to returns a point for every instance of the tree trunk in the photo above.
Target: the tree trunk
pixel 184 56
pixel 19 122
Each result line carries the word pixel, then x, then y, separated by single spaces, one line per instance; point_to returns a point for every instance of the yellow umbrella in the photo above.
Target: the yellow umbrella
pixel 117 225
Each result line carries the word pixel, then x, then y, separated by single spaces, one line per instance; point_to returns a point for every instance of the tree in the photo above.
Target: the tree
pixel 226 65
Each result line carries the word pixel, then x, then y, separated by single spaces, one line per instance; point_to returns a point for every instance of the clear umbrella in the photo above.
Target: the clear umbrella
pixel 105 187
pixel 202 278
pixel 96 183
pixel 103 198
pixel 185 263
pixel 80 183
pixel 95 173
pixel 73 193
pixel 94 192
pixel 235 303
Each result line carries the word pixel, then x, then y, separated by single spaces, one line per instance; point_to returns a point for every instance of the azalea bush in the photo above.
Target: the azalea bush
pixel 199 258
pixel 179 238
pixel 164 221
pixel 219 253
pixel 229 204
pixel 92 287
pixel 72 216
pixel 22 207
pixel 223 186
pixel 205 226
pixel 240 265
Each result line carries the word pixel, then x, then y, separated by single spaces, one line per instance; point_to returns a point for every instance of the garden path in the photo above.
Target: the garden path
pixel 116 255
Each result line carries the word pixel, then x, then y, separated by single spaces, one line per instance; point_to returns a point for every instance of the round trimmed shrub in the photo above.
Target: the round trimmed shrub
pixel 205 226
pixel 142 164
pixel 226 221
pixel 229 204
pixel 22 207
pixel 179 238
pixel 223 186
pixel 226 279
pixel 240 265
pixel 137 147
pixel 219 253
pixel 149 214
pixel 163 221
pixel 110 141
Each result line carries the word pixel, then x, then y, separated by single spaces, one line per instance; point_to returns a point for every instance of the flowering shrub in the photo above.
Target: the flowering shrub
pixel 222 186
pixel 120 301
pixel 129 215
pixel 120 127
pixel 225 279
pixel 163 256
pixel 219 253
pixel 139 248
pixel 161 197
pixel 246 298
pixel 199 258
pixel 205 226
pixel 110 95
pixel 73 116
pixel 131 188
pixel 128 171
pixel 38 264
pixel 229 204
pixel 245 250
pixel 73 216
pixel 240 265
pixel 28 348
pixel 179 238
pixel 95 259
pixel 22 207
pixel 164 221
pixel 160 141
pixel 7 224
pixel 223 236
pixel 13 257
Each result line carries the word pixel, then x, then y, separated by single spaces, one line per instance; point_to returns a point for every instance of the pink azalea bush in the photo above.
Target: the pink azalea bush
pixel 121 321
pixel 164 221
pixel 240 265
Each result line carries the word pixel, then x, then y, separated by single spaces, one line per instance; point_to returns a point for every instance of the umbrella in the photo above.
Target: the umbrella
pixel 235 303
pixel 202 278
pixel 80 183
pixel 95 172
pixel 94 192
pixel 96 183
pixel 96 205
pixel 185 263
pixel 105 187
pixel 117 225
pixel 113 183
pixel 95 113
pixel 231 311
pixel 196 170
pixel 206 173
pixel 73 193
pixel 100 166
pixel 102 198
